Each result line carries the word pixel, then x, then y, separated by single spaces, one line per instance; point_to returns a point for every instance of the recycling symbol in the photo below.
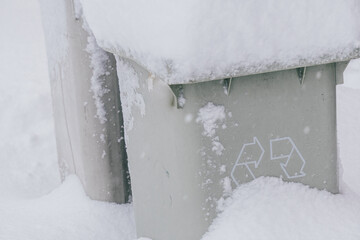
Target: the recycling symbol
pixel 251 155
pixel 285 148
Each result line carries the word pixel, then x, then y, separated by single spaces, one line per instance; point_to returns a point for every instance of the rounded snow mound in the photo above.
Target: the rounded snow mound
pixel 268 208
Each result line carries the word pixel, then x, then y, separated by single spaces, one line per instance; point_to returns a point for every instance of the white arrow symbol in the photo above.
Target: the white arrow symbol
pixel 294 159
pixel 248 156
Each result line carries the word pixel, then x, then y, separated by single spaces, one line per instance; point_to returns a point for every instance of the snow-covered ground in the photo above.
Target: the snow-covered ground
pixel 65 213
pixel 34 205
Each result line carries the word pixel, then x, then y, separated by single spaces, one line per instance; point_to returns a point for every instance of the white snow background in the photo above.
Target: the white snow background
pixel 34 205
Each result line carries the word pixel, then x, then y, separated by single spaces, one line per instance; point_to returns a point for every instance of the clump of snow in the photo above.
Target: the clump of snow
pixel 227 186
pixel 217 147
pixel 268 208
pixel 222 169
pixel 211 116
pixel 227 190
pixel 181 100
pixel 65 213
pixel 99 63
pixel 189 40
pixel 128 84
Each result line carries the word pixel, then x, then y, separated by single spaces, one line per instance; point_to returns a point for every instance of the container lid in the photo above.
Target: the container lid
pixel 199 40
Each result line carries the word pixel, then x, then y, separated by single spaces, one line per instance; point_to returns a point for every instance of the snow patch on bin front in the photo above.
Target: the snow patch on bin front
pixel 194 41
pixel 210 116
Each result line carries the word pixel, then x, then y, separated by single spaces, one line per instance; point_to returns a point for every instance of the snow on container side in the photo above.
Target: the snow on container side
pixel 86 103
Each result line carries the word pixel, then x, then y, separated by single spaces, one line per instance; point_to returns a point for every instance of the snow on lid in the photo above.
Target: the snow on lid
pixel 197 40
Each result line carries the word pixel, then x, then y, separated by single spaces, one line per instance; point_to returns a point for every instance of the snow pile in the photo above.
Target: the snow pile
pixel 182 41
pixel 268 208
pixel 66 213
pixel 211 116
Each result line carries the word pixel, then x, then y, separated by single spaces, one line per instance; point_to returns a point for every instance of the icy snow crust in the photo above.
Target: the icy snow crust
pixel 187 41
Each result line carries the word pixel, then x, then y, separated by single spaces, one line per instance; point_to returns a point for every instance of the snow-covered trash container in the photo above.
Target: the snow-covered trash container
pixel 189 147
pixel 215 94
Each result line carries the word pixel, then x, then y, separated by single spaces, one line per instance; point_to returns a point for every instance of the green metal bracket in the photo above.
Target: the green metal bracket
pixel 178 93
pixel 301 74
pixel 227 85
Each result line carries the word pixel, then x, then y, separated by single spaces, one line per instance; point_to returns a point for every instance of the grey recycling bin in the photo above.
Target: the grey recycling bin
pixel 189 145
